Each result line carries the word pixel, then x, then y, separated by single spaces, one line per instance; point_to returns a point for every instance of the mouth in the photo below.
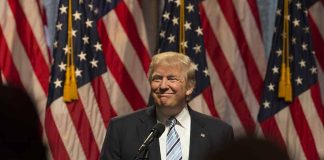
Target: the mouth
pixel 163 94
pixel 163 98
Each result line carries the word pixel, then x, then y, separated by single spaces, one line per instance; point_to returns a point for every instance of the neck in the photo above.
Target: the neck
pixel 164 113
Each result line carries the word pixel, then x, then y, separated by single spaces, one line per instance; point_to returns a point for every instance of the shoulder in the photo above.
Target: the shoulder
pixel 218 132
pixel 132 118
pixel 209 121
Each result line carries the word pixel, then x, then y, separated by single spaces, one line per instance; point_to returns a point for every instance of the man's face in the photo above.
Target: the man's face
pixel 168 87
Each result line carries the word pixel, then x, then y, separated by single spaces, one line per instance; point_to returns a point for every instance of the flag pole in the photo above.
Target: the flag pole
pixel 285 88
pixel 182 30
pixel 70 86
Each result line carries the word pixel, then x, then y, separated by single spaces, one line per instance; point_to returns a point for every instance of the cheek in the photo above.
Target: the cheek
pixel 154 86
pixel 178 88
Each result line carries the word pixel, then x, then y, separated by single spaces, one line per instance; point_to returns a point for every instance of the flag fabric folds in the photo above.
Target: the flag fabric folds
pixel 110 73
pixel 24 57
pixel 316 23
pixel 77 53
pixel 236 60
pixel 297 125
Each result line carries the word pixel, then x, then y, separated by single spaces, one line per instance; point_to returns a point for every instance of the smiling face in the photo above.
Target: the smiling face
pixel 169 87
pixel 169 82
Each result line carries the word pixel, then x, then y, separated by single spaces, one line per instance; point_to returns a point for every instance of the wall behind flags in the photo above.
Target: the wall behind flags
pixel 242 43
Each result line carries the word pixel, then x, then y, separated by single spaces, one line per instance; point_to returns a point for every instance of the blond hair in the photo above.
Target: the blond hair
pixel 175 59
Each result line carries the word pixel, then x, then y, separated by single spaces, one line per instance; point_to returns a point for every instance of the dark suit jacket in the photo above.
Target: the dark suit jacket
pixel 125 134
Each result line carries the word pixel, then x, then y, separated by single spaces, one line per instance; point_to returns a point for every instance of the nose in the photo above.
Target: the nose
pixel 164 84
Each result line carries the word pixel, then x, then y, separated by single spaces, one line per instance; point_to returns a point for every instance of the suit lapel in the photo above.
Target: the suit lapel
pixel 146 123
pixel 198 137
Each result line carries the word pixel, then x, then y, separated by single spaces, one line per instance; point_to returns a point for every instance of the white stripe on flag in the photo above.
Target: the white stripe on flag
pixel 222 103
pixel 289 134
pixel 321 81
pixel 199 104
pixel 117 97
pixel 313 120
pixel 67 130
pixel 137 13
pixel 92 111
pixel 224 35
pixel 21 60
pixel 3 80
pixel 126 53
pixel 34 18
pixel 252 34
pixel 317 12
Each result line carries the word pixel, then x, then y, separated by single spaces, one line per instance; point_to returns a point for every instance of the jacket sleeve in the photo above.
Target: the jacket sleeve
pixel 111 147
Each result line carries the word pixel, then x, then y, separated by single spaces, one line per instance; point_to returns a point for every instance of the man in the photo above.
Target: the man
pixel 194 135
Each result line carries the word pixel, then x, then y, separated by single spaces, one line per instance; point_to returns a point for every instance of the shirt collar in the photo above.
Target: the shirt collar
pixel 183 118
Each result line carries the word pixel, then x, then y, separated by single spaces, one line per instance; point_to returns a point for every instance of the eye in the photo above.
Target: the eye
pixel 173 79
pixel 156 78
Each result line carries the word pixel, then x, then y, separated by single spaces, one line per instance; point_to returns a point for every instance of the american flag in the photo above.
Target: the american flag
pixel 111 60
pixel 235 64
pixel 24 56
pixel 296 124
pixel 316 23
pixel 77 126
pixel 236 60
pixel 169 40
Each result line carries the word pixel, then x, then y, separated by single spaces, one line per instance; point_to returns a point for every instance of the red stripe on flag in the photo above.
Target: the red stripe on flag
pixel 303 130
pixel 207 94
pixel 318 42
pixel 7 65
pixel 41 69
pixel 42 12
pixel 271 130
pixel 103 100
pixel 58 150
pixel 233 21
pixel 126 20
pixel 255 12
pixel 8 68
pixel 83 128
pixel 221 65
pixel 316 97
pixel 118 70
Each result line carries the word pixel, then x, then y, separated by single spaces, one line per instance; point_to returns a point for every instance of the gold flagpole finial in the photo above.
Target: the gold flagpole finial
pixel 285 88
pixel 181 28
pixel 70 91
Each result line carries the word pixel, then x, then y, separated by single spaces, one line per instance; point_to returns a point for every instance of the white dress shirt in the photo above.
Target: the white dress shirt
pixel 183 129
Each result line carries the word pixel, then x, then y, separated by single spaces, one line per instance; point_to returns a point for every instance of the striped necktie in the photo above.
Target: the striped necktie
pixel 173 146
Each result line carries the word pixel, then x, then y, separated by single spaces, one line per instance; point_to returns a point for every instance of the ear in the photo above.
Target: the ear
pixel 189 91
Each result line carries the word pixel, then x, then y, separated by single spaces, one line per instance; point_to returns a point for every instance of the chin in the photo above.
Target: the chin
pixel 164 105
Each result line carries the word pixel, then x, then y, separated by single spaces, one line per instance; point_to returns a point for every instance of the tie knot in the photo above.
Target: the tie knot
pixel 171 122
